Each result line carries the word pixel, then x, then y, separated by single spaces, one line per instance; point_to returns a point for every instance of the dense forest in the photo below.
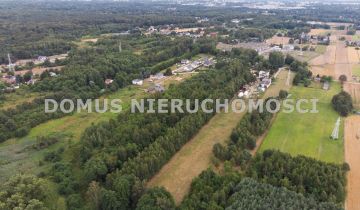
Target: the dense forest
pixel 324 182
pixel 233 191
pixel 48 28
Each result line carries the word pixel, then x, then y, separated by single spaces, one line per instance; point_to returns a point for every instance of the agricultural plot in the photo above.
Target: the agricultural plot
pixel 319 32
pixel 352 147
pixel 328 57
pixel 308 134
pixel 354 90
pixel 337 60
pixel 353 55
pixel 342 62
pixel 277 40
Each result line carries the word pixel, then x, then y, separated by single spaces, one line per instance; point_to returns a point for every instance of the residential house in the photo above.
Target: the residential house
pixel 213 34
pixel 185 61
pixel 265 84
pixel 42 58
pixel 108 81
pixel 208 62
pixel 264 74
pixel 288 47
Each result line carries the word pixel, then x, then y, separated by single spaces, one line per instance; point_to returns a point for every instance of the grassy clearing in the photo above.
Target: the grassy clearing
pixel 356 37
pixel 304 56
pixel 321 49
pixel 195 156
pixel 308 134
pixel 17 98
pixel 356 70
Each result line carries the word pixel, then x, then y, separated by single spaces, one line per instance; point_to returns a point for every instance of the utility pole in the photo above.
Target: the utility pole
pixel 11 66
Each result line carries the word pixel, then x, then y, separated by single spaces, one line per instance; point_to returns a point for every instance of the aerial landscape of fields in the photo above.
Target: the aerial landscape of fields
pixel 179 105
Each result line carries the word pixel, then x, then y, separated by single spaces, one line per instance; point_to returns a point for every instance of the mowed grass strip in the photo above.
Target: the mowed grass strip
pixel 308 134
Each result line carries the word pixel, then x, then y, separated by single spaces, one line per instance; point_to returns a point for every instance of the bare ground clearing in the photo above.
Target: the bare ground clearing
pixel 278 40
pixel 354 90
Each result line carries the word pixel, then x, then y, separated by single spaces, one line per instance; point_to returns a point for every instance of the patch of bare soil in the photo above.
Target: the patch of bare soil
pixel 352 157
pixel 354 90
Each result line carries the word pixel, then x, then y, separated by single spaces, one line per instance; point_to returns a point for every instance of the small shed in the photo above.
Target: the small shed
pixel 326 86
pixel 138 82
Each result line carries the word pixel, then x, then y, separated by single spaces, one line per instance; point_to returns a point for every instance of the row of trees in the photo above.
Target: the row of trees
pixel 303 74
pixel 232 191
pixel 150 155
pixel 243 138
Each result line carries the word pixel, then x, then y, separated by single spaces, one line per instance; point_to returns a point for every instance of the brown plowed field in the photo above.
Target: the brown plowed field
pixel 352 157
pixel 354 90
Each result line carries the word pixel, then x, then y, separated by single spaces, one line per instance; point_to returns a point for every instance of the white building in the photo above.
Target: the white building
pixel 243 93
pixel 138 82
pixel 264 74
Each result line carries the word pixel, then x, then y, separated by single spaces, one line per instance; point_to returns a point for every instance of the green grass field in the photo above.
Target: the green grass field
pixel 15 157
pixel 356 37
pixel 321 49
pixel 356 70
pixel 308 134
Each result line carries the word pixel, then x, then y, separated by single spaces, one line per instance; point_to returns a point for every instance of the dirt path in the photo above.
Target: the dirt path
pixel 342 62
pixel 352 157
pixel 195 156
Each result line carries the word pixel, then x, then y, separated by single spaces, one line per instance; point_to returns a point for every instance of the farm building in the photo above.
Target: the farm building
pixel 138 82
pixel 326 86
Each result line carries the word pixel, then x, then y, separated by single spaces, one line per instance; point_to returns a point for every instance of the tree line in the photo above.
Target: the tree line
pixel 112 155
